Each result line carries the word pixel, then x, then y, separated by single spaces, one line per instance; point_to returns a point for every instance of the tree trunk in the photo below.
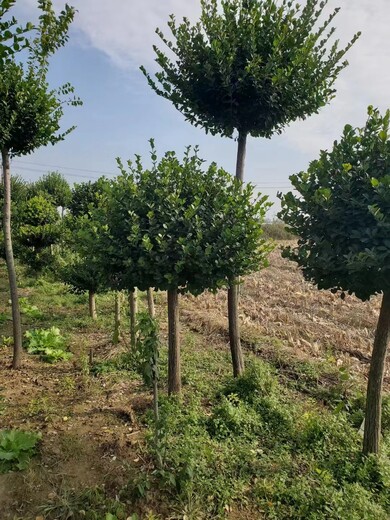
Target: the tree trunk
pixel 241 155
pixel 174 376
pixel 234 331
pixel 233 291
pixel 372 426
pixel 16 320
pixel 118 317
pixel 92 304
pixel 151 308
pixel 133 309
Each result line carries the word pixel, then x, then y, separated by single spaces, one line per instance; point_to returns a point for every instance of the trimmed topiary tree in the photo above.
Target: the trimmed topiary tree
pixel 37 228
pixel 57 187
pixel 180 228
pixel 341 214
pixel 249 67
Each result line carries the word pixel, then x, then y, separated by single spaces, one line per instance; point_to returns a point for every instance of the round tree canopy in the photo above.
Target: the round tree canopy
pixel 178 226
pixel 250 65
pixel 342 212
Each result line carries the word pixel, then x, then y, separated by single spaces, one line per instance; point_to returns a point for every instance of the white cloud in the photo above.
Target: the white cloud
pixel 124 31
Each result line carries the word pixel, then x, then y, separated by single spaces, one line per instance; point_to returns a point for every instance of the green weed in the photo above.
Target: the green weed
pixel 16 449
pixel 48 344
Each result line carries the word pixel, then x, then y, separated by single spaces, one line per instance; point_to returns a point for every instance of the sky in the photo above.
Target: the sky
pixel 120 113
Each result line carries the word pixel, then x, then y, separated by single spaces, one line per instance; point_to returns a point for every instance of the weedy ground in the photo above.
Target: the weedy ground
pixel 282 442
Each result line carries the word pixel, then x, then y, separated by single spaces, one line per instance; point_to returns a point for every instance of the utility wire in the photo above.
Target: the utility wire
pixel 262 186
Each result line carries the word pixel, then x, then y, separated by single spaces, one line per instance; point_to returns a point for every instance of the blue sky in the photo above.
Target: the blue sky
pixel 108 42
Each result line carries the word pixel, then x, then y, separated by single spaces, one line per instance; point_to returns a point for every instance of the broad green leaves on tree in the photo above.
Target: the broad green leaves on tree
pixel 340 210
pixel 180 225
pixel 250 65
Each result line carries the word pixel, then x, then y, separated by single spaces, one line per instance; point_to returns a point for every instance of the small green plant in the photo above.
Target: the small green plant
pixel 16 449
pixel 6 341
pixel 48 344
pixel 29 310
pixel 146 356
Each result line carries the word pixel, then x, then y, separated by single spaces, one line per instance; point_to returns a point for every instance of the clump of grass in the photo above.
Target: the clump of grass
pixel 123 363
pixel 250 441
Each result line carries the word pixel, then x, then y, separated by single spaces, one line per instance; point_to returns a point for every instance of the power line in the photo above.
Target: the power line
pixel 63 167
pixel 24 168
pixel 262 186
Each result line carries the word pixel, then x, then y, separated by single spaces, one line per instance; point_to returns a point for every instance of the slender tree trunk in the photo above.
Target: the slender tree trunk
pixel 92 304
pixel 233 291
pixel 241 155
pixel 151 308
pixel 372 425
pixel 133 310
pixel 174 375
pixel 118 317
pixel 16 320
pixel 234 331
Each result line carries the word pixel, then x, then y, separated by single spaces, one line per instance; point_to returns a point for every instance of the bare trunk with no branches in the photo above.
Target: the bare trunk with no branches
pixel 174 371
pixel 133 309
pixel 118 317
pixel 233 291
pixel 9 255
pixel 92 304
pixel 372 425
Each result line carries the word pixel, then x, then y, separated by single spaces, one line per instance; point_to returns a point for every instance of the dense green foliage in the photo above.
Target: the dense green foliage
pixel 84 195
pixel 16 449
pixel 37 227
pixel 341 212
pixel 56 186
pixel 48 344
pixel 178 226
pixel 256 443
pixel 250 65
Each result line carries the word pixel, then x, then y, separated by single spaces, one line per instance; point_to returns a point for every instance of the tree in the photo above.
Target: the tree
pixel 178 228
pixel 250 67
pixel 55 185
pixel 30 115
pixel 341 214
pixel 85 194
pixel 37 228
pixel 82 275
